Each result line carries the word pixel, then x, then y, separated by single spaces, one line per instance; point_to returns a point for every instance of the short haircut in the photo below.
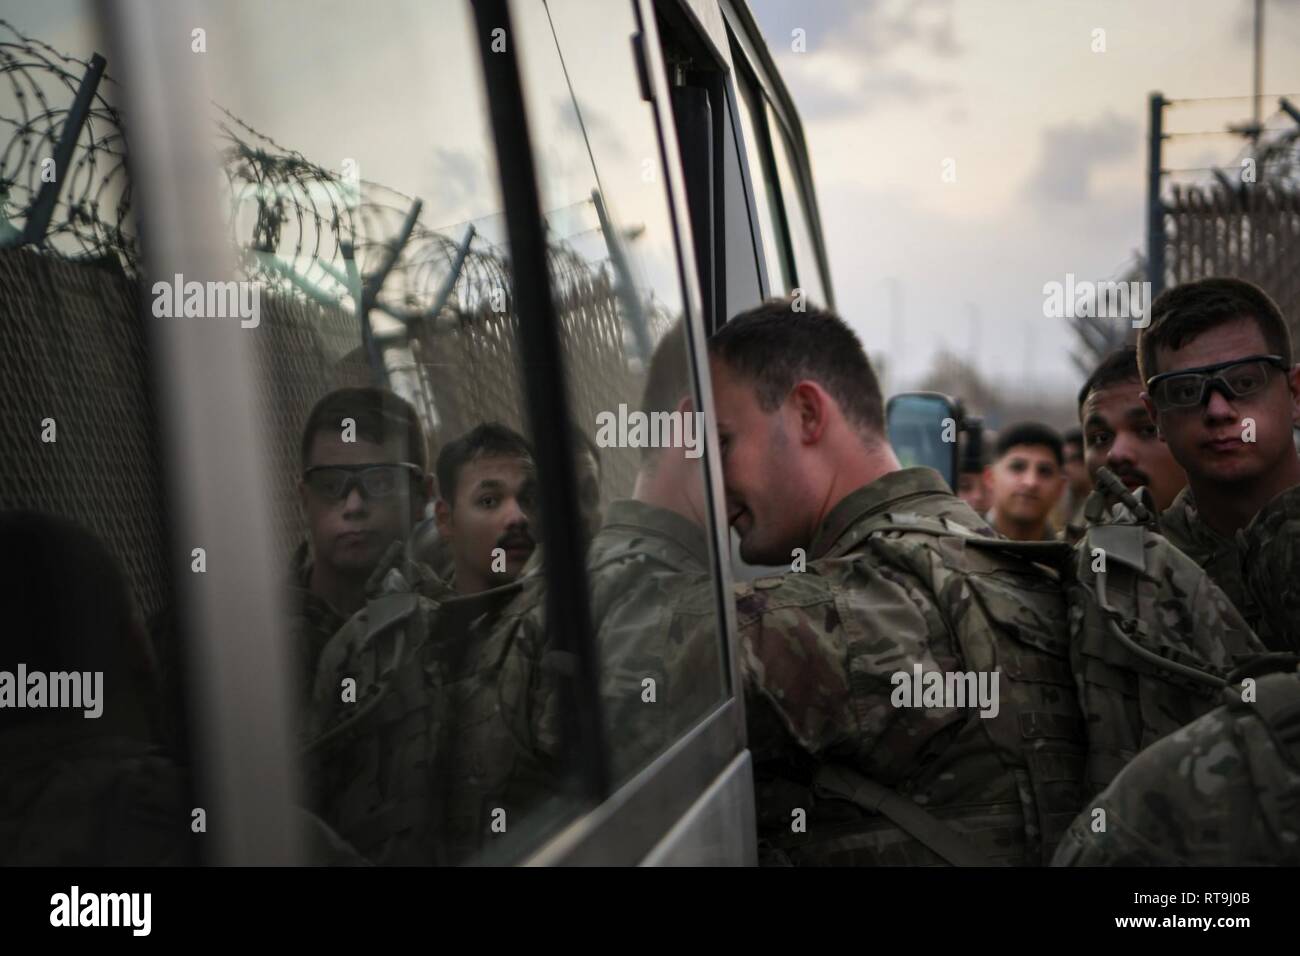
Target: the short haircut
pixel 381 416
pixel 1031 433
pixel 774 346
pixel 1120 365
pixel 668 379
pixel 488 440
pixel 584 442
pixel 1185 311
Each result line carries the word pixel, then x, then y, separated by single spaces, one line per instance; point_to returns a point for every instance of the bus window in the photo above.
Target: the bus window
pixel 616 276
pixel 805 253
pixel 363 198
pixel 94 755
pixel 762 176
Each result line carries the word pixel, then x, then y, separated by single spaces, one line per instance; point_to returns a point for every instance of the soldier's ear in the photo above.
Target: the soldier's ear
pixel 1293 382
pixel 302 495
pixel 442 516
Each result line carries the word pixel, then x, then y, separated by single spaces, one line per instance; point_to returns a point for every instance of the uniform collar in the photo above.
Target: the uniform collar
pixel 879 496
pixel 659 522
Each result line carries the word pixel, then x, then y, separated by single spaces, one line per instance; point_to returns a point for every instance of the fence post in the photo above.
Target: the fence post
pixel 1155 208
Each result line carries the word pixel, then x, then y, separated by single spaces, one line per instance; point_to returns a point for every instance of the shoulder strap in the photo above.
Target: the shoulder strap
pixel 844 783
pixel 1052 553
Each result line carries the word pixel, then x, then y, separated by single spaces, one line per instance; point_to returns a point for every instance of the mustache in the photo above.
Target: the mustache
pixel 515 539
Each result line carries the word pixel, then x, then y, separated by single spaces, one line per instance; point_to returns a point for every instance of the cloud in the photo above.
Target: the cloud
pixel 1072 151
pixel 860 57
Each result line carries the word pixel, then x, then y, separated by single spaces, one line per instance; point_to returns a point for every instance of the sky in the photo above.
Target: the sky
pixel 1049 143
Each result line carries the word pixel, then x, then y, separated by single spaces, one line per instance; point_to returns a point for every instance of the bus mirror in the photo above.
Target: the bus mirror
pixel 924 428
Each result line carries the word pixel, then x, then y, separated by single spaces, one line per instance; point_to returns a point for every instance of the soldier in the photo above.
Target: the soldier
pixel 486 482
pixel 1223 392
pixel 1120 435
pixel 79 791
pixel 1222 791
pixel 364 484
pixel 1078 485
pixel 653 603
pixel 971 487
pixel 904 585
pixel 1025 481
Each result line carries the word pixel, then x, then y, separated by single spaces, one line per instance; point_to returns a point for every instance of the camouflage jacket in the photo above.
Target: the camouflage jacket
pixel 1222 791
pixel 74 799
pixel 654 611
pixel 429 723
pixel 1219 556
pixel 821 651
pixel 1270 547
pixel 1152 637
pixel 315 621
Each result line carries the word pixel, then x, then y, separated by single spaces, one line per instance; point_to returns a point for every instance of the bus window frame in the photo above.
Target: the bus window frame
pixel 751 53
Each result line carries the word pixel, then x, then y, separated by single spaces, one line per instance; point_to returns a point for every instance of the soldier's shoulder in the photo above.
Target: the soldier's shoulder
pixel 817 584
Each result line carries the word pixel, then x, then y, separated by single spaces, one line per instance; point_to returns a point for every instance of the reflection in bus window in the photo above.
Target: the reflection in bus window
pixel 617 286
pixel 92 745
pixel 363 198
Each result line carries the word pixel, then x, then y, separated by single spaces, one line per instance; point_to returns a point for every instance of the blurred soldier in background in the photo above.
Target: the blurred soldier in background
pixel 895 584
pixel 78 790
pixel 1224 394
pixel 1068 514
pixel 971 487
pixel 1025 480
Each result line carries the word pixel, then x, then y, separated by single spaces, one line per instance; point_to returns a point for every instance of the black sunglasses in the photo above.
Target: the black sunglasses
pixel 375 481
pixel 1189 387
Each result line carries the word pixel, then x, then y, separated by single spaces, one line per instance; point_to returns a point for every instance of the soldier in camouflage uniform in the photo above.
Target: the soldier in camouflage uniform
pixel 901 577
pixel 363 487
pixel 78 791
pixel 1222 389
pixel 1222 791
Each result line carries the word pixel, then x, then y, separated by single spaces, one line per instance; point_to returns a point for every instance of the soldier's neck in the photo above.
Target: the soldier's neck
pixel 853 466
pixel 1018 530
pixel 1226 508
pixel 345 593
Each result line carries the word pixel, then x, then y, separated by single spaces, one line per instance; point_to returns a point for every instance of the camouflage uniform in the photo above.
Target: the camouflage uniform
pixel 314 621
pixel 654 610
pixel 1153 638
pixel 448 729
pixel 71 799
pixel 818 650
pixel 1222 791
pixel 1219 556
pixel 1270 547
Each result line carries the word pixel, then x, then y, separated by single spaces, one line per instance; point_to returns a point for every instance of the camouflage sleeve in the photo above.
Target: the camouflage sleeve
pixel 819 658
pixel 1184 800
pixel 1271 564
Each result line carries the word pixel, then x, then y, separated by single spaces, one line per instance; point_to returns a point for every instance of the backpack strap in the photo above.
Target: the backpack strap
pixel 1051 553
pixel 844 783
